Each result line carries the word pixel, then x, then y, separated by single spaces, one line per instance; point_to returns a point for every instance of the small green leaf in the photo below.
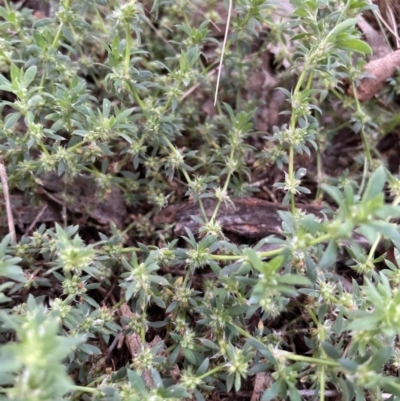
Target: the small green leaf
pixel 348 364
pixel 330 350
pixel 355 45
pixel 29 76
pixel 43 22
pixel 89 349
pixel 11 119
pixel 203 367
pixel 351 22
pixel 293 279
pixel 364 323
pixel 136 382
pixel 175 392
pixel 380 357
pixel 333 192
pixel 375 184
pixel 329 257
pixel 273 391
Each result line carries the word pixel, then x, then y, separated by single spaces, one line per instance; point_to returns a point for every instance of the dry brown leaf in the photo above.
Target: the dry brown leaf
pixel 262 382
pixel 374 38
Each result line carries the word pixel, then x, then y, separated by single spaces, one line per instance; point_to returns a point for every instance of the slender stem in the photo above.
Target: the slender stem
pixel 168 103
pixel 302 358
pixel 42 79
pixel 128 38
pixel 322 383
pixel 43 147
pixel 225 189
pixel 220 200
pixel 224 47
pixel 80 390
pixel 211 372
pixel 172 147
pixel 6 193
pixel 371 253
pixel 186 278
pixel 136 96
pixel 76 146
pixel 86 389
pixel 57 37
pixel 293 122
pixel 291 177
pixel 313 317
pixel 102 25
pixel 318 195
pixel 367 151
pixel 119 303
pixel 203 212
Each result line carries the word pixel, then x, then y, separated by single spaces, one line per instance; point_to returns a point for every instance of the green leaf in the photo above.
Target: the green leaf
pixel 67 34
pixel 328 258
pixel 14 71
pixel 348 364
pixel 124 114
pixel 89 349
pixel 345 389
pixel 273 391
pixel 189 355
pixel 130 291
pixel 351 22
pixel 333 192
pixel 293 279
pixel 11 119
pixel 364 323
pixel 43 22
pixel 385 228
pixel 330 350
pixel 294 394
pixel 203 367
pixel 136 382
pixel 355 45
pixel 381 356
pixel 157 279
pixel 375 184
pixel 391 385
pixel 229 382
pixel 253 258
pixel 29 76
pixel 209 344
pixel 175 392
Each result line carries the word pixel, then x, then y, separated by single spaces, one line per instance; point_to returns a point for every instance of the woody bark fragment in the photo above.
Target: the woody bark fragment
pixel 378 71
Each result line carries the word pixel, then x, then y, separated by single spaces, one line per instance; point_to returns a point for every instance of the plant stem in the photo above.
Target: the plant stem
pixel 307 359
pixel 57 37
pixel 211 372
pixel 128 45
pixel 367 151
pixel 378 239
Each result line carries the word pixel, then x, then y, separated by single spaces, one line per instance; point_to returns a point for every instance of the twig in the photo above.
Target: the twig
pixel 228 21
pixel 111 348
pixel 109 292
pixel 194 87
pixel 331 393
pixel 36 219
pixel 59 202
pixel 10 217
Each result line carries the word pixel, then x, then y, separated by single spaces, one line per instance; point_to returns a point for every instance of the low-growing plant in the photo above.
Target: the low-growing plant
pixel 116 92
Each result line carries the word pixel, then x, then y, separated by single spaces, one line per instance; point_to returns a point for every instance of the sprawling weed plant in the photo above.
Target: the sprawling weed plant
pixel 113 90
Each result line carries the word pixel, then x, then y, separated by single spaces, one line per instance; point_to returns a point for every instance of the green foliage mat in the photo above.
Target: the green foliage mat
pixel 108 116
